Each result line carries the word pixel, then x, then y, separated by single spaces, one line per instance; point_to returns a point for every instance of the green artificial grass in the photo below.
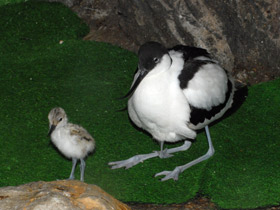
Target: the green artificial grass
pixel 38 72
pixel 3 2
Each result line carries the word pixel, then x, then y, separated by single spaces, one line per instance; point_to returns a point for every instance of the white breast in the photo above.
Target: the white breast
pixel 68 145
pixel 159 106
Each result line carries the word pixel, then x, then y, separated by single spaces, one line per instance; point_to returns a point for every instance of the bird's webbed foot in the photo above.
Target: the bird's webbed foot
pixel 170 174
pixel 164 153
pixel 132 161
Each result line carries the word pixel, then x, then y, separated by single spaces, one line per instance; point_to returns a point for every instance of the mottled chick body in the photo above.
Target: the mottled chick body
pixel 73 141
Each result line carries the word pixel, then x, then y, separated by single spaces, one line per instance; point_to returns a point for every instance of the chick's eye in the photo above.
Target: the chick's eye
pixel 60 119
pixel 156 60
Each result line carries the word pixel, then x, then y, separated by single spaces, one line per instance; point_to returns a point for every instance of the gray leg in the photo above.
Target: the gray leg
pixel 163 153
pixel 184 147
pixel 74 162
pixel 132 161
pixel 175 173
pixel 140 158
pixel 166 153
pixel 82 168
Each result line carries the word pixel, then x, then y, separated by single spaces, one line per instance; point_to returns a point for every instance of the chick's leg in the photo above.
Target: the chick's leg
pixel 74 162
pixel 82 169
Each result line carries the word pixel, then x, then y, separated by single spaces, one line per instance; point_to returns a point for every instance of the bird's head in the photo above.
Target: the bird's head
pixel 57 117
pixel 153 58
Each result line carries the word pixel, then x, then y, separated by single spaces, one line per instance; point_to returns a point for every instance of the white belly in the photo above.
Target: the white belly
pixel 68 144
pixel 159 106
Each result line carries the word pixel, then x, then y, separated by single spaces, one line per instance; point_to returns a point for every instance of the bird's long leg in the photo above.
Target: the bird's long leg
pixel 132 161
pixel 184 147
pixel 166 153
pixel 74 162
pixel 175 173
pixel 82 169
pixel 163 153
pixel 140 158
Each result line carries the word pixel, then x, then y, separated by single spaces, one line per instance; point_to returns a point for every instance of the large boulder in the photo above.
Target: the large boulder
pixel 58 195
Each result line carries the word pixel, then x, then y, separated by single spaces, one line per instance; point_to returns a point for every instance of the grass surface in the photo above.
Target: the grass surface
pixel 4 2
pixel 38 73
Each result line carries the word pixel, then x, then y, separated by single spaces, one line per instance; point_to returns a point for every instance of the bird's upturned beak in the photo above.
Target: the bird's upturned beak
pixel 51 130
pixel 142 73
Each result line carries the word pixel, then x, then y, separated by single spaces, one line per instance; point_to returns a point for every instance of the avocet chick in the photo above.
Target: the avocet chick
pixel 72 140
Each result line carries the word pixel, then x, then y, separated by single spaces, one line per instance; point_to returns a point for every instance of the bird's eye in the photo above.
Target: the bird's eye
pixel 60 119
pixel 156 60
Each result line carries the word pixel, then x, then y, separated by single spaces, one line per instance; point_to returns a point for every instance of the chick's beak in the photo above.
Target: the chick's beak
pixel 51 129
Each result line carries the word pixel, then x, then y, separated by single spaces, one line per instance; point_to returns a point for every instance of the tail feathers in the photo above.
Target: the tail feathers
pixel 239 98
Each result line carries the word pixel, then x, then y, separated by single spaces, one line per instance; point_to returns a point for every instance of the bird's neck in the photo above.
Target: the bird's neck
pixel 163 67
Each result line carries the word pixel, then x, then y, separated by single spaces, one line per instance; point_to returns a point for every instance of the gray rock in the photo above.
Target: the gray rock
pixel 240 34
pixel 58 195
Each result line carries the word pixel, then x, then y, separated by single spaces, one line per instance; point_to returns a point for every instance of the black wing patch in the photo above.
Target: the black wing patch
pixel 190 52
pixel 189 70
pixel 199 115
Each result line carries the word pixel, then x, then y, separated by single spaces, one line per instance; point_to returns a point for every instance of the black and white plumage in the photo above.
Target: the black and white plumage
pixel 73 141
pixel 176 92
